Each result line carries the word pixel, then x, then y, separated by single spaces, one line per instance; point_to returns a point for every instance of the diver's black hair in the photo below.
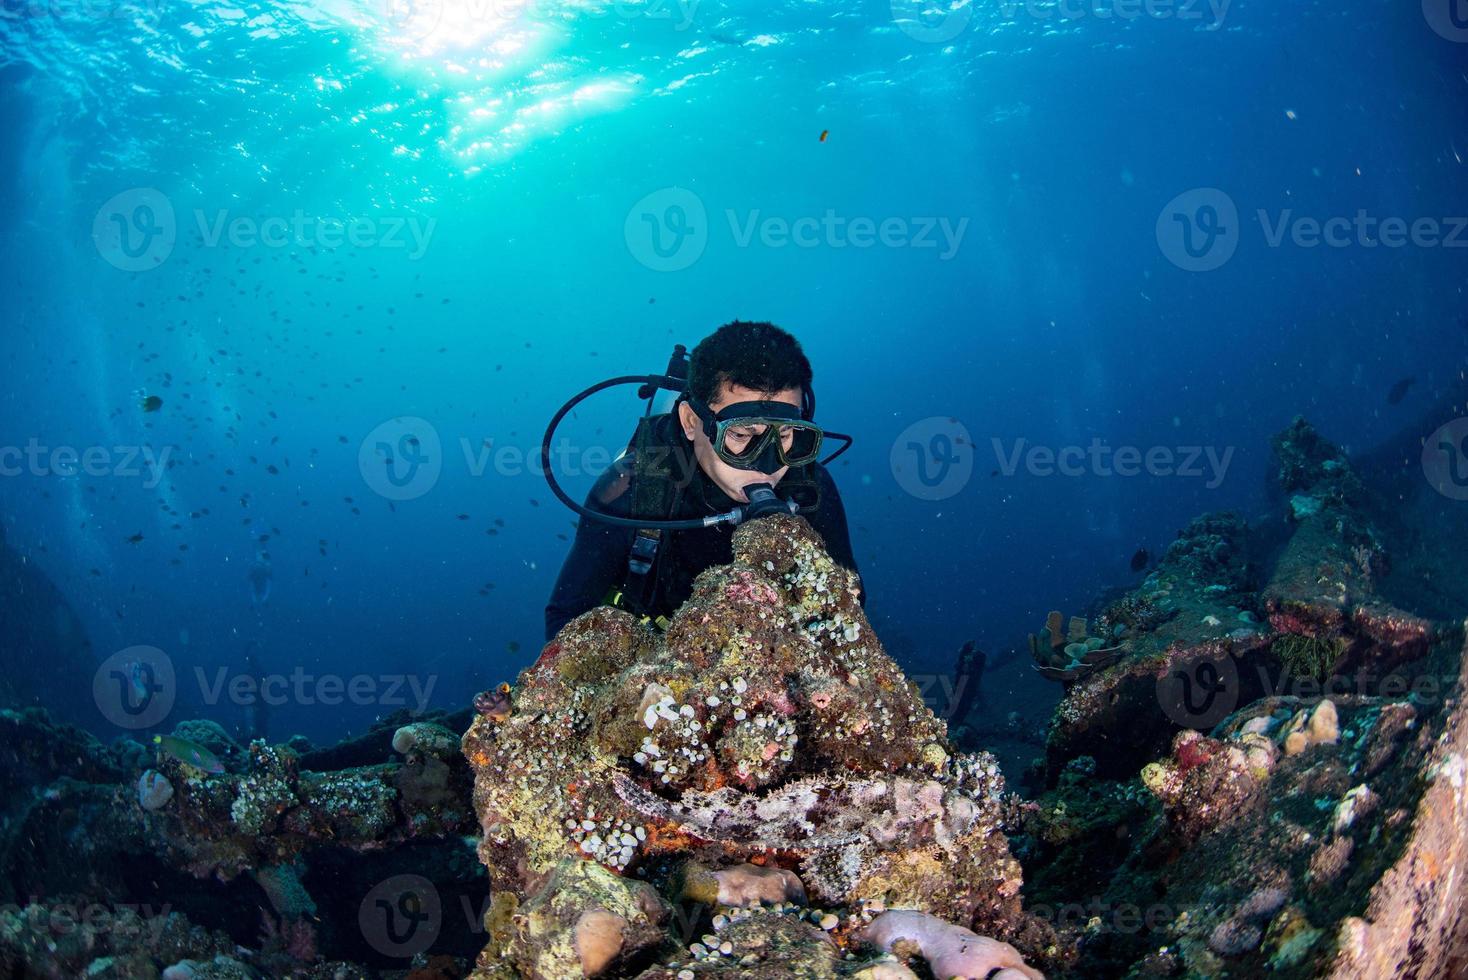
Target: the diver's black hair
pixel 755 355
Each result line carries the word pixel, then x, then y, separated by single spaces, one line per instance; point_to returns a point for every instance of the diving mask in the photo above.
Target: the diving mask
pixel 760 436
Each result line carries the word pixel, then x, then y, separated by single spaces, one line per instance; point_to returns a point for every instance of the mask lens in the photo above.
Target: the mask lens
pixel 742 441
pixel 800 444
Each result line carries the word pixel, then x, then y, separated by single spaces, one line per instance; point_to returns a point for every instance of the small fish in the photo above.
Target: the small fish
pixel 136 538
pixel 1399 391
pixel 1141 559
pixel 824 134
pixel 513 646
pixel 189 753
pixel 494 705
pixel 151 404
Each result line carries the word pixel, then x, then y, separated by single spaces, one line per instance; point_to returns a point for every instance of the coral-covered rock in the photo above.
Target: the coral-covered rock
pixel 1193 646
pixel 1208 781
pixel 768 726
pixel 1322 593
pixel 584 919
pixel 425 738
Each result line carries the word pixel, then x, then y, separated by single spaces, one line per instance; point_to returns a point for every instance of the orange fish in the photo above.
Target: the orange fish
pixel 824 134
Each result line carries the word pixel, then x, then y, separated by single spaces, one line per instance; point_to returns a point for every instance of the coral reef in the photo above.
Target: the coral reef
pixel 765 749
pixel 1294 817
pixel 116 836
pixel 1259 768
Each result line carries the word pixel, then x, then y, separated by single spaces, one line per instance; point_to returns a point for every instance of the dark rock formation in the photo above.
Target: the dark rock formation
pixel 48 659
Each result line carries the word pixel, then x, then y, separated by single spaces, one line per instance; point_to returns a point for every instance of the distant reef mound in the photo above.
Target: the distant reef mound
pixel 48 659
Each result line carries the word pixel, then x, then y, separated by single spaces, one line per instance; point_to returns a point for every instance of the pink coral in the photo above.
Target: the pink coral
pixel 748 885
pixel 296 939
pixel 951 951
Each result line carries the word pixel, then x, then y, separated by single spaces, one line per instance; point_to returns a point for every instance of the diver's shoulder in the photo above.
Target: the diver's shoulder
pixel 823 477
pixel 610 489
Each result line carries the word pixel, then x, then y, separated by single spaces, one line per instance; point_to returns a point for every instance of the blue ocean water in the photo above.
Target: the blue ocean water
pixel 996 228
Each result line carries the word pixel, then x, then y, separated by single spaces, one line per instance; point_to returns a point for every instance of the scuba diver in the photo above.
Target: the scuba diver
pixel 260 579
pixel 743 425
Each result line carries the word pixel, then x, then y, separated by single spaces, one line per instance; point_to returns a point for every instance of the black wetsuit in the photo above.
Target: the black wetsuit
pixel 597 563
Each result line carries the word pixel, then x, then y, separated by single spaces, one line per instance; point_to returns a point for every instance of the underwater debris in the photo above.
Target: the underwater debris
pixel 1069 653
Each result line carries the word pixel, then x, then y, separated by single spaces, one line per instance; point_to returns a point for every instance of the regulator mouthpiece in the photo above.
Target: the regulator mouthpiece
pixel 762 503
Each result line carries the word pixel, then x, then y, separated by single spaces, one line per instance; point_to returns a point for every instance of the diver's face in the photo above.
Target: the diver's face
pixel 731 479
